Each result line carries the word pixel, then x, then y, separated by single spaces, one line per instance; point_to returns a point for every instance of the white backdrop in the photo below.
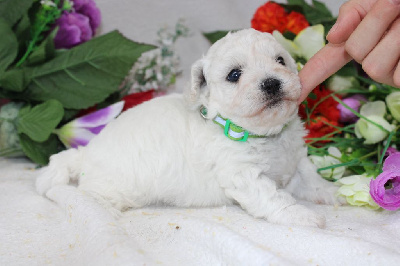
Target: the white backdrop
pixel 140 20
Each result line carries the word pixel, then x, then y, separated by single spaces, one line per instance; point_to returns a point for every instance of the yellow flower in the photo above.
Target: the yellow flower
pixel 355 189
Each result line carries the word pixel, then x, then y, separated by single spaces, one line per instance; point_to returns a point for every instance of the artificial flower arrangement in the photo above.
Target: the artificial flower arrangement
pixel 352 121
pixel 158 69
pixel 56 75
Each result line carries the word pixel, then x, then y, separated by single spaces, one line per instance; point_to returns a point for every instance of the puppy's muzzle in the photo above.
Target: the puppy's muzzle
pixel 271 86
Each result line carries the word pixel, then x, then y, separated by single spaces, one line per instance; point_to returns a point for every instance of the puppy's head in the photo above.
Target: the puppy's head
pixel 249 78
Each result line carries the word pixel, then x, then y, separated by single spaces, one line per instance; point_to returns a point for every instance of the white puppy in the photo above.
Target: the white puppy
pixel 190 151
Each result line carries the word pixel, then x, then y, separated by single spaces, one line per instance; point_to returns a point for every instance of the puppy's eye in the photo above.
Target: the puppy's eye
pixel 234 75
pixel 280 60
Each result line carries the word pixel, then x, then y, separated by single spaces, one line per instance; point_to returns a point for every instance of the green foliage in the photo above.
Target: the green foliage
pixel 214 36
pixel 43 52
pixel 8 46
pixel 11 12
pixel 40 121
pixel 13 80
pixel 86 74
pixel 55 84
pixel 40 152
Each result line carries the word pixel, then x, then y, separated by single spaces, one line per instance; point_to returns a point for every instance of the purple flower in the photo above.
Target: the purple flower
pixel 73 29
pixel 90 10
pixel 77 26
pixel 354 102
pixel 390 151
pixel 385 189
pixel 80 131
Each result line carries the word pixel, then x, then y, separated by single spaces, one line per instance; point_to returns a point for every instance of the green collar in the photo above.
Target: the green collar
pixel 231 130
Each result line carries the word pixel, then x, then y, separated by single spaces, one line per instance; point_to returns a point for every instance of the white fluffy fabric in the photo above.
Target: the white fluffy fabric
pixel 36 231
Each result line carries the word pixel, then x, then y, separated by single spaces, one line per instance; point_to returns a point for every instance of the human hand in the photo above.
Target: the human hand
pixel 367 31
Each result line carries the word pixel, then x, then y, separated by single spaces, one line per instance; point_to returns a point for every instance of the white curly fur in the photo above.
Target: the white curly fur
pixel 164 152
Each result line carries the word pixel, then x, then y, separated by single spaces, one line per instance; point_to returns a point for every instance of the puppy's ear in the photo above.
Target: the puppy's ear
pixel 198 92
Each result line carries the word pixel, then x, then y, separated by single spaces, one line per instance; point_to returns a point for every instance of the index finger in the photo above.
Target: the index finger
pixel 321 66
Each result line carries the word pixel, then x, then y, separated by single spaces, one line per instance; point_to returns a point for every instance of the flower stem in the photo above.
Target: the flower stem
pixel 46 16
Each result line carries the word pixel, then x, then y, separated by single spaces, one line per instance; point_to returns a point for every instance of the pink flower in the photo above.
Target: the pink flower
pixel 354 102
pixel 390 151
pixel 385 189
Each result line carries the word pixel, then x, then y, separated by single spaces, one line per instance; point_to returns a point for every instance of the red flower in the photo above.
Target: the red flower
pixel 319 127
pixel 272 16
pixel 296 22
pixel 269 17
pixel 134 99
pixel 325 115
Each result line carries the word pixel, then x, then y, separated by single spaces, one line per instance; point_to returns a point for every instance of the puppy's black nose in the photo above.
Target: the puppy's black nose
pixel 271 86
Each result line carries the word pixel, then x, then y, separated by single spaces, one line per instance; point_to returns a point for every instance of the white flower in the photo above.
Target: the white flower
pixel 355 189
pixel 393 103
pixel 9 140
pixel 375 112
pixel 47 3
pixel 307 43
pixel 148 73
pixel 332 174
pixel 339 83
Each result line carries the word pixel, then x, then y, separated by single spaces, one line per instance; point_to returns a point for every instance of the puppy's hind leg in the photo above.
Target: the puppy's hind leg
pixel 61 169
pixel 260 197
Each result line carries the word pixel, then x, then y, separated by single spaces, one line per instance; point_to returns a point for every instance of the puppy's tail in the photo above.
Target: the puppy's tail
pixel 59 171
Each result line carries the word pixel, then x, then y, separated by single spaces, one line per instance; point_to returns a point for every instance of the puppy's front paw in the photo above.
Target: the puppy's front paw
pixel 44 180
pixel 298 215
pixel 327 195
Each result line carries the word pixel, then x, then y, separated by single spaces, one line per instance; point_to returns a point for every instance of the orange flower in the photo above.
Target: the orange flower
pixel 269 17
pixel 296 22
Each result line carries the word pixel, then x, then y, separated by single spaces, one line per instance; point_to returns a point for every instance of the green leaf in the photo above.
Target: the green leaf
pixel 214 36
pixel 317 13
pixel 289 35
pixel 312 96
pixel 14 80
pixel 22 31
pixel 11 11
pixel 86 74
pixel 348 70
pixel 297 2
pixel 8 46
pixel 321 8
pixel 40 121
pixel 40 152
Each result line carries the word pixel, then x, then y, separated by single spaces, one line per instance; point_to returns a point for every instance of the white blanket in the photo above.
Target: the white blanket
pixel 37 231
